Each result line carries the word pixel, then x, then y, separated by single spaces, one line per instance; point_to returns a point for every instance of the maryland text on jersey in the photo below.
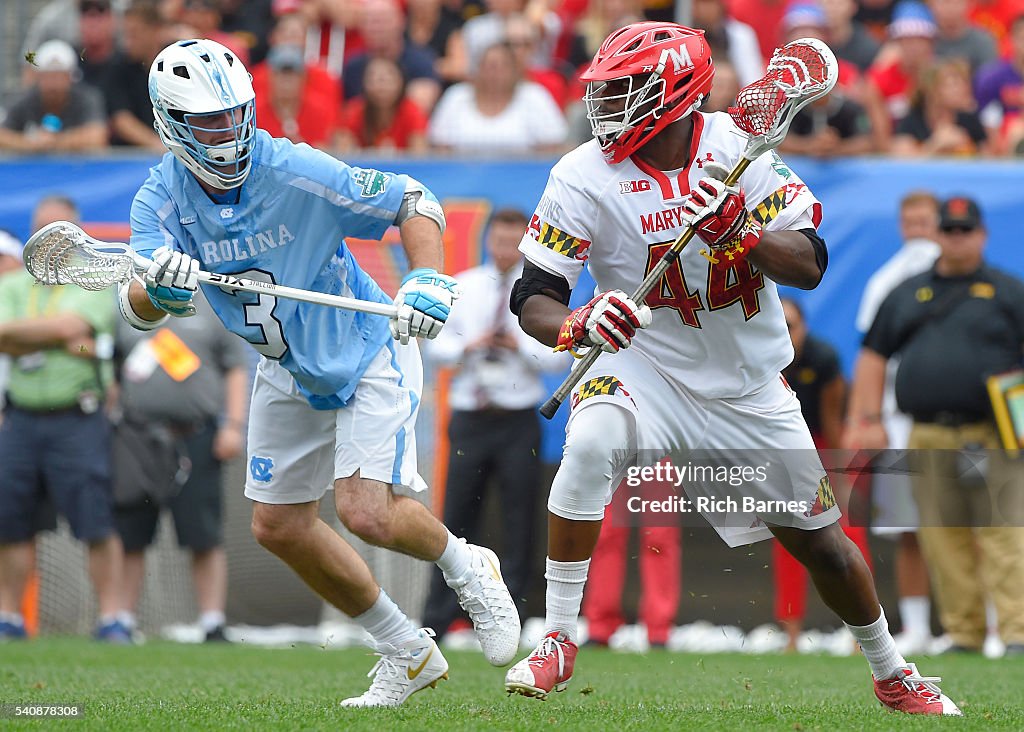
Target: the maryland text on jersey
pixel 768 209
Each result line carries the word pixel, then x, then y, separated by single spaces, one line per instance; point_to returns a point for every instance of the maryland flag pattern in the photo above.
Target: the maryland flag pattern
pixel 561 243
pixel 825 499
pixel 598 386
pixel 770 207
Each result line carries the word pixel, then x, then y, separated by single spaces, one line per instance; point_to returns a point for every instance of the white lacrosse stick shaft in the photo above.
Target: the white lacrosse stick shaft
pixel 47 257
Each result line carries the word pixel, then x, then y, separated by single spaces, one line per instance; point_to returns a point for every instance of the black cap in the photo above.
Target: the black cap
pixel 959 212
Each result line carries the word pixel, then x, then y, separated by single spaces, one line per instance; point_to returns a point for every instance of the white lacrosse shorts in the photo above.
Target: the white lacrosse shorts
pixel 297 452
pixel 673 421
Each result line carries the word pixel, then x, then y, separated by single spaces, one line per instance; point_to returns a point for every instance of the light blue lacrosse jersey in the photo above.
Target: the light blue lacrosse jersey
pixel 288 227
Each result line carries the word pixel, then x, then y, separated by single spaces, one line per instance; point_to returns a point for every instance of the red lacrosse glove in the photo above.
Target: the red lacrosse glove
pixel 719 216
pixel 608 322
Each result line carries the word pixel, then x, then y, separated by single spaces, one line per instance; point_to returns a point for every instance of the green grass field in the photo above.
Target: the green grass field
pixel 163 686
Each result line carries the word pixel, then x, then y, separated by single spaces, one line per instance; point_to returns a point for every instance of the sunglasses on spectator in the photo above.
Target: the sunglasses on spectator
pixel 958 229
pixel 93 6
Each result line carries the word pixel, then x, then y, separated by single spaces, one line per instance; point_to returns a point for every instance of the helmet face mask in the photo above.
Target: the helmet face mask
pixel 204 110
pixel 614 107
pixel 644 77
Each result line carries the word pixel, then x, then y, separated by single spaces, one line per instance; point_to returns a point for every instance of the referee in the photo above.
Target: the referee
pixel 952 327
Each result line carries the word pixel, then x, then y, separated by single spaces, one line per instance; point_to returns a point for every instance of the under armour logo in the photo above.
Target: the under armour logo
pixel 707 159
pixel 259 469
pixel 227 213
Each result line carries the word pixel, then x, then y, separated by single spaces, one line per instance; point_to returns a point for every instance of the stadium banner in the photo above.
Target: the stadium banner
pixel 859 197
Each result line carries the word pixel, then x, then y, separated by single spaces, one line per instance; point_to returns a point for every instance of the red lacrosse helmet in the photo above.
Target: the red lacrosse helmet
pixel 644 77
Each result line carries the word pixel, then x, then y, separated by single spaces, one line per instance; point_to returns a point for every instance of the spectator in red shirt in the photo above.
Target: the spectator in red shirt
pixel 895 75
pixel 292 29
pixel 997 16
pixel 383 117
pixel 764 16
pixel 290 108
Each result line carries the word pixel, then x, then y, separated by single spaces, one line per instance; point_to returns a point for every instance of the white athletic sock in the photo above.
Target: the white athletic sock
pixel 14 618
pixel 879 647
pixel 211 619
pixel 564 595
pixel 456 558
pixel 991 618
pixel 386 623
pixel 915 612
pixel 127 619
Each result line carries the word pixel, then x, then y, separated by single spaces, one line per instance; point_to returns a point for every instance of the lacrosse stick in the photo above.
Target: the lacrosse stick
pixel 62 254
pixel 798 73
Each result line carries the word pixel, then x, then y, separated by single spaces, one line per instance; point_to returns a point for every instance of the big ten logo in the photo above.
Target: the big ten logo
pixel 634 186
pixel 465 221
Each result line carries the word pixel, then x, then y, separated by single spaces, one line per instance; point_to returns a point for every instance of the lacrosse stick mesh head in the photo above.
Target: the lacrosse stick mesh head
pixel 61 254
pixel 798 73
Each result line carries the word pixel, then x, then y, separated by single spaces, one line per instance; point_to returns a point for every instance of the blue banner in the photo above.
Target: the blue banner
pixel 860 200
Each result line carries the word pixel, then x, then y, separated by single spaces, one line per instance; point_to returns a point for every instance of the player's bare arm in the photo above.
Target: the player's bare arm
pixel 788 257
pixel 141 304
pixel 421 239
pixel 864 428
pixel 609 321
pixel 542 317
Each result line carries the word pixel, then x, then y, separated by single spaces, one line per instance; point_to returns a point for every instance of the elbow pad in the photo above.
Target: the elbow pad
pixel 537 281
pixel 128 312
pixel 419 201
pixel 820 250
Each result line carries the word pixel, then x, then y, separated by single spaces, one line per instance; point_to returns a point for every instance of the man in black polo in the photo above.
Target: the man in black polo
pixel 952 327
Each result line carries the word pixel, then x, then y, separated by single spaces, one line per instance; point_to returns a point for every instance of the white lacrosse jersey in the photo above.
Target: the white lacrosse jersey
pixel 287 227
pixel 718 326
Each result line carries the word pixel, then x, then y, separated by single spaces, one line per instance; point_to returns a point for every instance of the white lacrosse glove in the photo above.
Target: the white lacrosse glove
pixel 719 216
pixel 608 322
pixel 423 303
pixel 171 281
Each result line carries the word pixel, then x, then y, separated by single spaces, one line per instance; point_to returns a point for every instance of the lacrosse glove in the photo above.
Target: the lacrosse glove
pixel 719 216
pixel 608 322
pixel 171 281
pixel 423 301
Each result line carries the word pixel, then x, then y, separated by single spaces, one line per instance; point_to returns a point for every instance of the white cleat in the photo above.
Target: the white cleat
pixel 484 596
pixel 402 671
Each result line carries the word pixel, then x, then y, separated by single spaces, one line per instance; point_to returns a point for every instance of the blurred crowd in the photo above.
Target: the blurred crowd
pixel 917 79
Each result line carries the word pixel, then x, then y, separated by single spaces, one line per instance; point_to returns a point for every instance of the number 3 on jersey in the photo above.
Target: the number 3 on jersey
pixel 725 286
pixel 264 332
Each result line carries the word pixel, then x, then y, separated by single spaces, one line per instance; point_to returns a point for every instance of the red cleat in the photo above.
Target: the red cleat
pixel 548 668
pixel 913 693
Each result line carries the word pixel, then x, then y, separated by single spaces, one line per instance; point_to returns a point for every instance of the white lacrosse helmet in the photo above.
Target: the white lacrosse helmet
pixel 190 84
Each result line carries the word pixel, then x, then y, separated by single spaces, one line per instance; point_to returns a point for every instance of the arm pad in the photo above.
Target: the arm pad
pixel 419 201
pixel 537 281
pixel 820 250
